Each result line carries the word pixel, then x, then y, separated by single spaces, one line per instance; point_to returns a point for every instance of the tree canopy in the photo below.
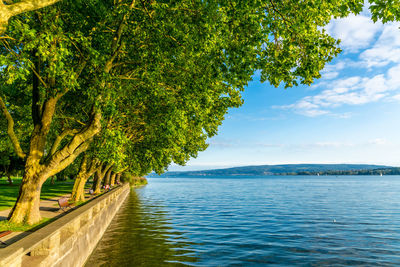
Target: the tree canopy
pixel 140 84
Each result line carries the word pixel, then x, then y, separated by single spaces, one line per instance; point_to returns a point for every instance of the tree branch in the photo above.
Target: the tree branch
pixel 8 11
pixel 94 165
pixel 59 138
pixel 107 168
pixel 73 148
pixel 116 44
pixel 68 160
pixel 10 130
pixel 36 109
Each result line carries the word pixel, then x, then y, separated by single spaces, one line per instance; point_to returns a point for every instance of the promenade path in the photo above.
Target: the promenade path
pixel 48 209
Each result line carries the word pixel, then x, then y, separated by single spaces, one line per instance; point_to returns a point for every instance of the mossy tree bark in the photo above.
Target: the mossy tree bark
pixel 26 209
pixel 96 179
pixel 118 178
pixel 99 176
pixel 107 178
pixel 87 168
pixel 112 180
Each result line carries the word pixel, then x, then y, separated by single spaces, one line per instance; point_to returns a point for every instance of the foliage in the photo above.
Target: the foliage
pixel 132 179
pixel 164 73
pixel 385 10
pixel 158 75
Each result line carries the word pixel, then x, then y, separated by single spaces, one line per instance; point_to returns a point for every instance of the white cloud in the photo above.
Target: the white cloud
pixel 396 97
pixel 330 75
pixel 394 77
pixel 385 50
pixel 218 142
pixel 355 32
pixel 332 71
pixel 331 144
pixel 378 141
pixel 355 90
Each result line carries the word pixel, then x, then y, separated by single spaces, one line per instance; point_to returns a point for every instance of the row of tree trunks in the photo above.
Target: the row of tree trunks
pixel 85 172
pixel 107 178
pixel 99 176
pixel 118 178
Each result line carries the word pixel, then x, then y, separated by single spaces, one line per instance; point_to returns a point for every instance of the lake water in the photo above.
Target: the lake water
pixel 279 220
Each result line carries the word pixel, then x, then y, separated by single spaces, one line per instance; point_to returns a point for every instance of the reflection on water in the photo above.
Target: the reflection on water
pixel 279 221
pixel 141 235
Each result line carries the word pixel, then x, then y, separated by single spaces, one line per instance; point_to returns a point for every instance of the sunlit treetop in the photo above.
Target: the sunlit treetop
pixel 164 73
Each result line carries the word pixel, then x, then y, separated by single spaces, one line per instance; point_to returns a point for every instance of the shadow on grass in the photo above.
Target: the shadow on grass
pixel 9 193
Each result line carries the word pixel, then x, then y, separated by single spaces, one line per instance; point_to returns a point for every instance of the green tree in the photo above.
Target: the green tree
pixel 44 62
pixel 161 74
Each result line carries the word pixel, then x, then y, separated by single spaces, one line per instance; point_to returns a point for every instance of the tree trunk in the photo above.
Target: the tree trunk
pixel 52 182
pixel 78 192
pixel 118 178
pixel 112 182
pixel 26 209
pixel 38 166
pixel 8 174
pixel 10 181
pixel 107 178
pixel 97 182
pixel 96 179
pixel 99 176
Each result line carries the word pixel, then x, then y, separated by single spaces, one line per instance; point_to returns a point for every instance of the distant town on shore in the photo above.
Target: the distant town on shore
pixel 289 169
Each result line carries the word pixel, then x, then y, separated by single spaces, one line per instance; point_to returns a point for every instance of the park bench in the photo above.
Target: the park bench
pixel 63 203
pixel 2 234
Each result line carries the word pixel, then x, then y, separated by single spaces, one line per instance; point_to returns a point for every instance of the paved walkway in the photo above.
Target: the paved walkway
pixel 48 209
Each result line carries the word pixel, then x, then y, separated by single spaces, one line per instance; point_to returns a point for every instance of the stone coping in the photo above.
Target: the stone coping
pixel 43 241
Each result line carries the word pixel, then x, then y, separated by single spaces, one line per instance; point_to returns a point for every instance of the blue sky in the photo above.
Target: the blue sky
pixel 350 115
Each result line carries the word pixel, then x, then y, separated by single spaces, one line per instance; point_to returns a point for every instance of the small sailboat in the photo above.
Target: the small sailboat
pixel 381 174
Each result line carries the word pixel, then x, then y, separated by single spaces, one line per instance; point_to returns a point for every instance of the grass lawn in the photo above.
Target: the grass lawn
pixel 6 226
pixel 9 193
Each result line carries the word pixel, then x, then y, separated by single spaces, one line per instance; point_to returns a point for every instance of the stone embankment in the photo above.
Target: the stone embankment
pixel 69 240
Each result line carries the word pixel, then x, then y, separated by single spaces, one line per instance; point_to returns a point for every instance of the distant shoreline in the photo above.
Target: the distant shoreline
pixel 290 170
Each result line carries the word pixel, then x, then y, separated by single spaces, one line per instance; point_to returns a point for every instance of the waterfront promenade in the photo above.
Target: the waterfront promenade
pixel 48 209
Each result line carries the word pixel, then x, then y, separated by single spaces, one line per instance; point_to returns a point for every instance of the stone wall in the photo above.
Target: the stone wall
pixel 69 240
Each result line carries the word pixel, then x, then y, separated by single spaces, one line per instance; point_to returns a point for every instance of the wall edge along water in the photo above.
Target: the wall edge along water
pixel 69 240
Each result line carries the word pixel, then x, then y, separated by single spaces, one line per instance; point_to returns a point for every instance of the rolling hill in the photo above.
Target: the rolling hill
pixel 285 169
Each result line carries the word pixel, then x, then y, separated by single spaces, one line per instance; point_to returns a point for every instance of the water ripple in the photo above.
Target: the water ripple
pixel 275 221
